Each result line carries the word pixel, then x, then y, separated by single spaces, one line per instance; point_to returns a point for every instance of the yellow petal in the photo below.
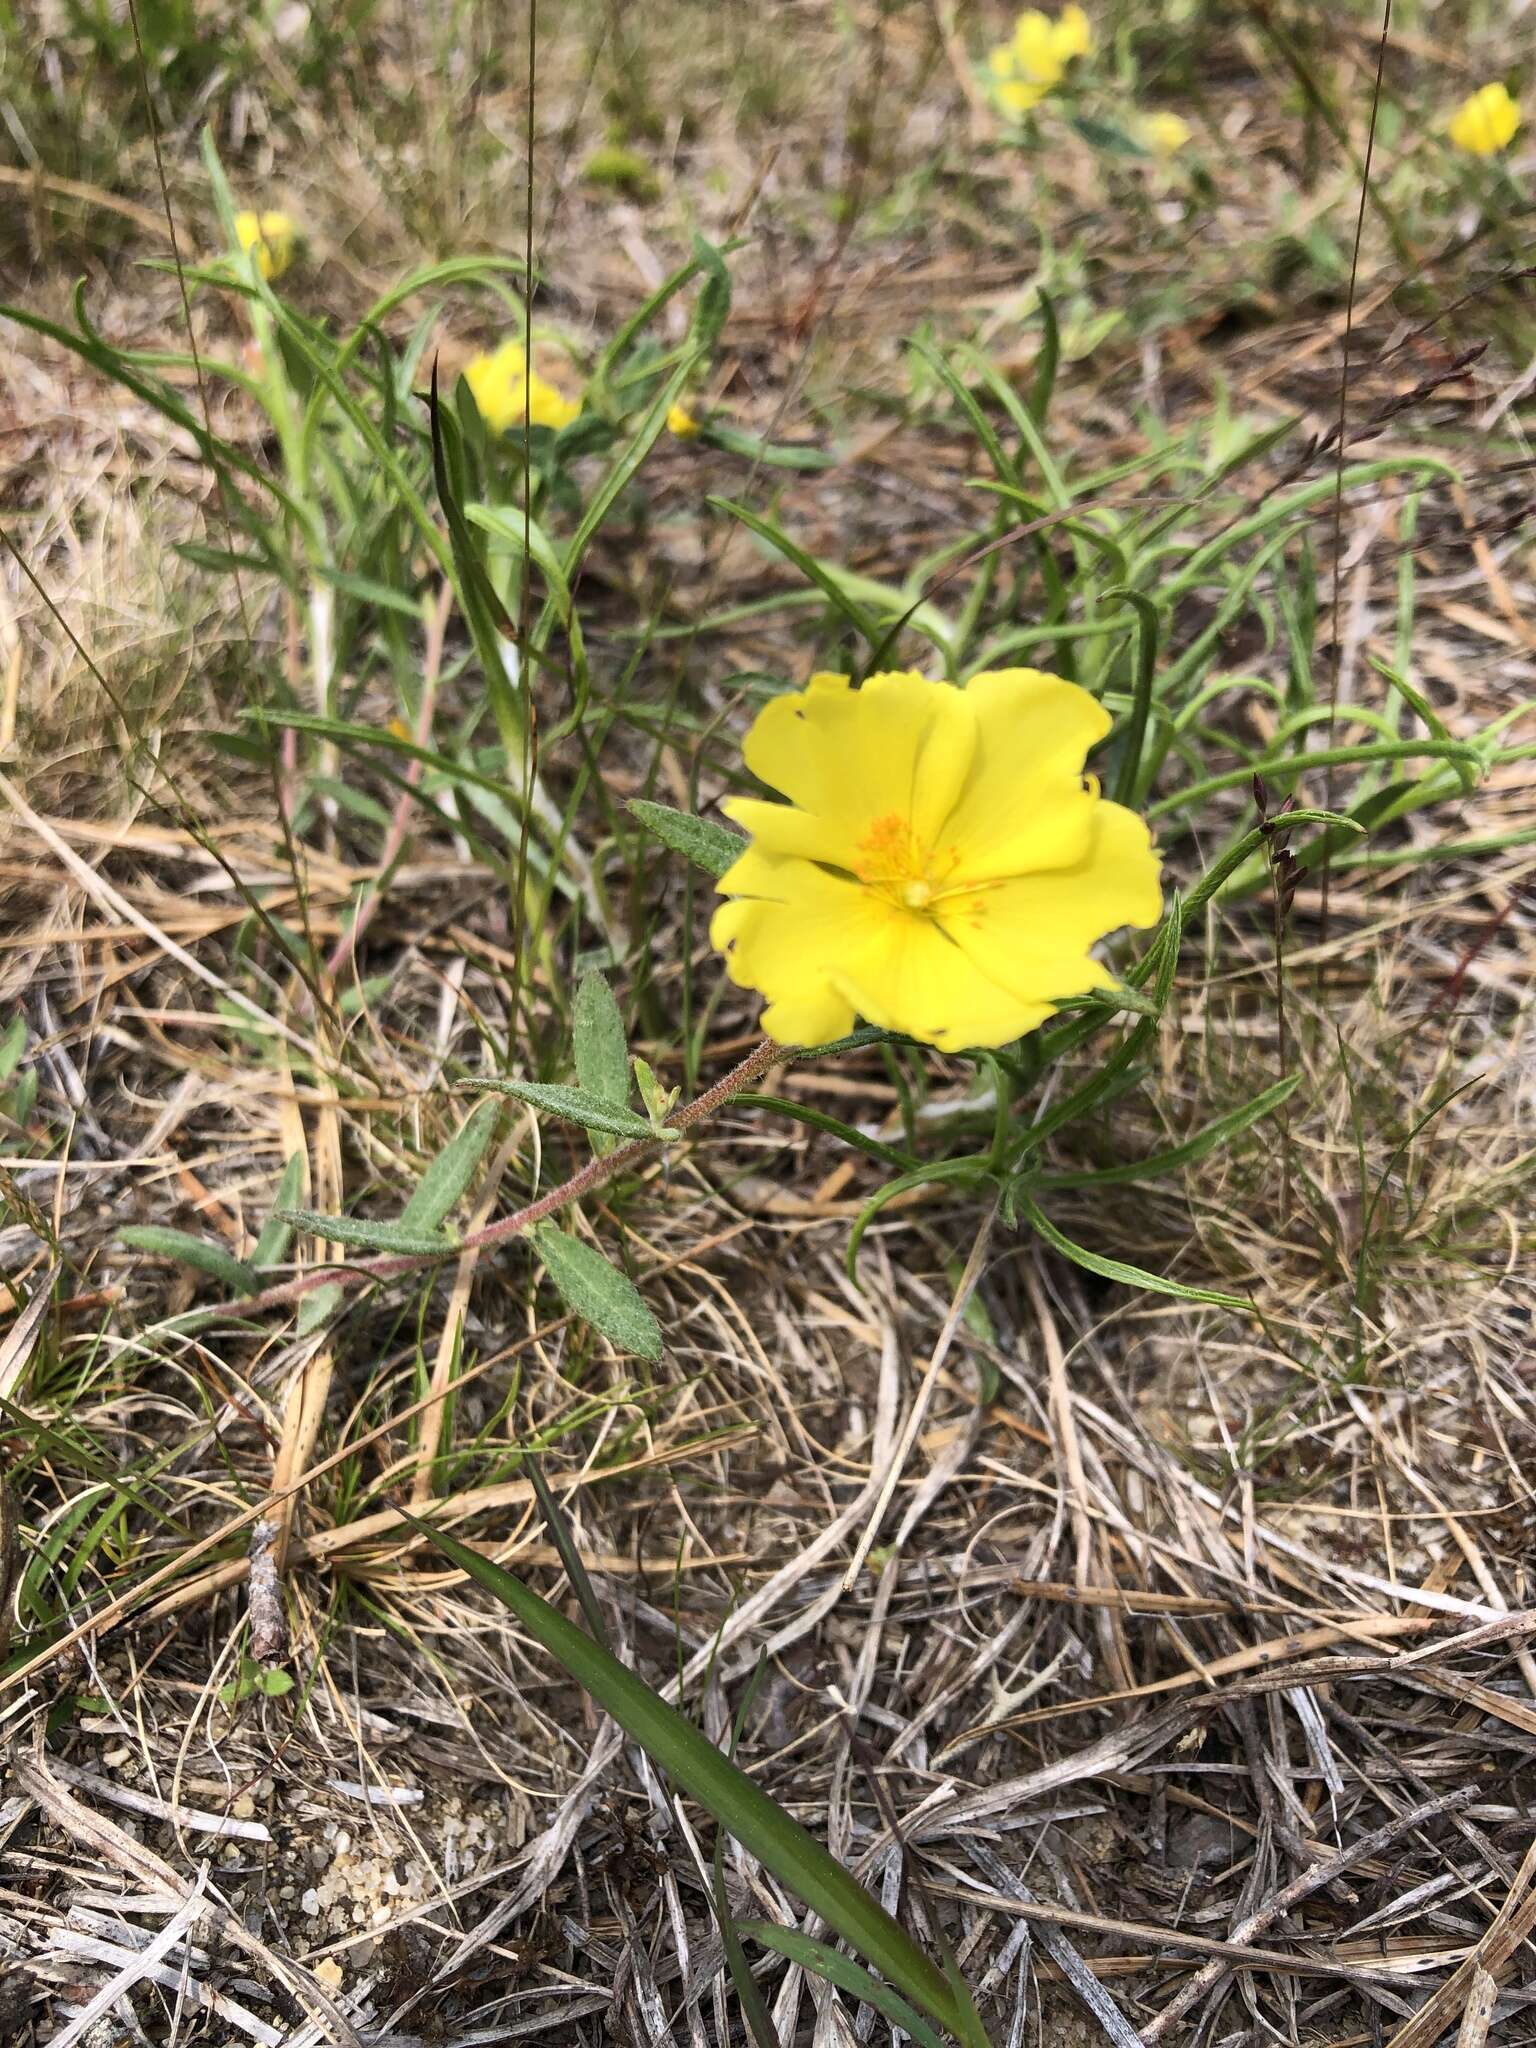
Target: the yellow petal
pixel 494 390
pixel 1165 133
pixel 898 748
pixel 681 422
pixel 1033 933
pixel 545 406
pixel 1034 47
pixel 822 949
pixel 272 236
pixel 1486 122
pixel 1023 805
pixel 1072 36
pixel 910 976
pixel 785 937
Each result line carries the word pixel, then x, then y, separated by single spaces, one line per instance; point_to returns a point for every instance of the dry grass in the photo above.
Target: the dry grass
pixel 1175 1666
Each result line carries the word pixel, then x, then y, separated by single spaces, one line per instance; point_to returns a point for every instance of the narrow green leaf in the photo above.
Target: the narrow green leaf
pixel 713 305
pixel 822 1960
pixel 768 454
pixel 188 1250
pixel 708 845
pixel 318 1307
pixel 1043 384
pixel 1116 1269
pixel 484 613
pixel 1128 775
pixel 818 1120
pixel 565 1543
pixel 272 1245
pixel 1186 1154
pixel 597 1031
pixel 830 585
pixel 598 1292
pixel 368 1235
pixel 762 1827
pixel 962 1170
pixel 753 2005
pixel 13 1043
pixel 451 1171
pixel 571 1105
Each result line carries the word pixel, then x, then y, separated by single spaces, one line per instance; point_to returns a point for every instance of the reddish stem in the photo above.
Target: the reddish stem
pixel 595 1174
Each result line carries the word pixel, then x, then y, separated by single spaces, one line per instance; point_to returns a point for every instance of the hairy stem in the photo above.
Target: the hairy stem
pixel 595 1174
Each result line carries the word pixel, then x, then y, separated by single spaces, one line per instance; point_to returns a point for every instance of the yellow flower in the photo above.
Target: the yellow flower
pixel 1485 123
pixel 681 422
pixel 507 392
pixel 1035 59
pixel 272 235
pixel 1165 133
pixel 942 866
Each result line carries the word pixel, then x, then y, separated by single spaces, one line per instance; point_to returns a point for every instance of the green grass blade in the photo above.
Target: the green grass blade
pixel 762 1827
pixel 822 1960
pixel 570 1557
pixel 1116 1269
pixel 1192 1149
pixel 832 586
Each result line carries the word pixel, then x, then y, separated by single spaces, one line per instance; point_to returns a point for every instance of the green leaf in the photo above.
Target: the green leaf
pixel 767 454
pixel 1106 136
pixel 713 305
pixel 598 1292
pixel 675 1746
pixel 831 585
pixel 484 613
pixel 13 1043
pixel 451 1171
pixel 368 1235
pixel 318 1307
pixel 966 1171
pixel 708 845
pixel 572 1105
pixel 822 1960
pixel 1186 1154
pixel 570 1555
pixel 1116 1269
pixel 597 1032
pixel 272 1245
pixel 754 2006
pixel 188 1250
pixel 819 1120
pixel 1044 382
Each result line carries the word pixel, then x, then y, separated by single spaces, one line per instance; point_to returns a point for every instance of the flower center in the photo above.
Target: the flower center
pixel 893 860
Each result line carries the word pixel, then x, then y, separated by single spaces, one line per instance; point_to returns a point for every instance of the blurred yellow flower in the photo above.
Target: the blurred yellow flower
pixel 507 392
pixel 942 866
pixel 1485 123
pixel 1034 60
pixel 272 235
pixel 1164 133
pixel 680 421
